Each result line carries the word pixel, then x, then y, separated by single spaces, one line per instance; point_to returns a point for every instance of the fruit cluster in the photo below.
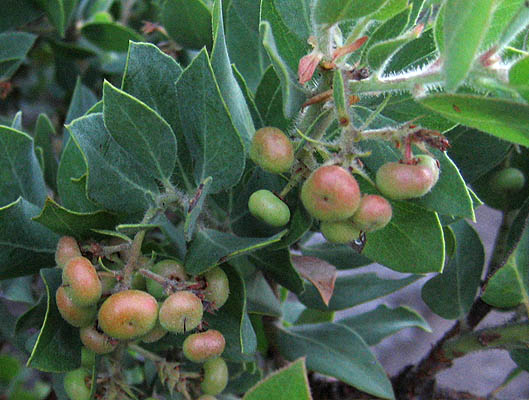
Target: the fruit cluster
pixel 167 301
pixel 332 195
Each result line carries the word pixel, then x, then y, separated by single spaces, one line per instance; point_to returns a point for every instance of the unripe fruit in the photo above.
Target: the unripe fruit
pixel 507 180
pixel 67 248
pixel 272 150
pixel 76 384
pixel 200 347
pixel 215 376
pixel 169 269
pixel 81 282
pixel 72 313
pixel 88 358
pixel 330 194
pixel 403 181
pixel 431 163
pixel 155 334
pixel 374 212
pixel 218 287
pixel 97 341
pixel 128 315
pixel 269 208
pixel 339 231
pixel 181 312
pixel 138 282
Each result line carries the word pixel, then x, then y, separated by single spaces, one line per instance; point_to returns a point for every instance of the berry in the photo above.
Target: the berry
pixel 374 212
pixel 330 194
pixel 77 384
pixel 181 312
pixel 405 181
pixel 200 347
pixel 169 269
pixel 272 150
pixel 67 248
pixel 507 180
pixel 97 341
pixel 430 163
pixel 72 313
pixel 81 282
pixel 215 376
pixel 128 314
pixel 269 208
pixel 339 231
pixel 218 287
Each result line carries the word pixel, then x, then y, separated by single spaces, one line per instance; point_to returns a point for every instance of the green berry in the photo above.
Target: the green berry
pixel 339 231
pixel 269 208
pixel 81 282
pixel 330 194
pixel 97 341
pixel 129 314
pixel 181 312
pixel 77 384
pixel 218 287
pixel 169 269
pixel 272 150
pixel 374 213
pixel 67 248
pixel 200 347
pixel 507 180
pixel 405 181
pixel 215 376
pixel 155 334
pixel 72 313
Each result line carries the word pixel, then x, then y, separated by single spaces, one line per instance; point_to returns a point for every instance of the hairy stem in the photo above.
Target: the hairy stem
pixel 146 353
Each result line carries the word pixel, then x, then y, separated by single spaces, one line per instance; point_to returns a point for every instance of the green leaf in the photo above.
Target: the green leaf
pixel 58 347
pixel 285 49
pixel 390 28
pixel 20 173
pixel 242 377
pixel 150 76
pixel 229 88
pixel 269 101
pixel 474 164
pixel 178 16
pixel 339 255
pixel 110 166
pixel 67 222
pixel 333 11
pixel 452 293
pixel 414 54
pixel 300 223
pixel 518 22
pixel 383 321
pixel 503 118
pixel 504 11
pixel 207 125
pixel 346 357
pixel 233 322
pixel 110 36
pixel 140 131
pixel 278 264
pixel 25 245
pixel 18 12
pixel 55 12
pixel 390 9
pixel 13 49
pixel 195 208
pixel 249 97
pixel 286 383
pixel 352 290
pixel 17 122
pixel 465 25
pixel 519 77
pixel 44 131
pixel 381 53
pixel 509 286
pixel 521 358
pixel 210 248
pixel 18 289
pixel 71 179
pixel 261 298
pixel 82 100
pixel 242 39
pixel 411 242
